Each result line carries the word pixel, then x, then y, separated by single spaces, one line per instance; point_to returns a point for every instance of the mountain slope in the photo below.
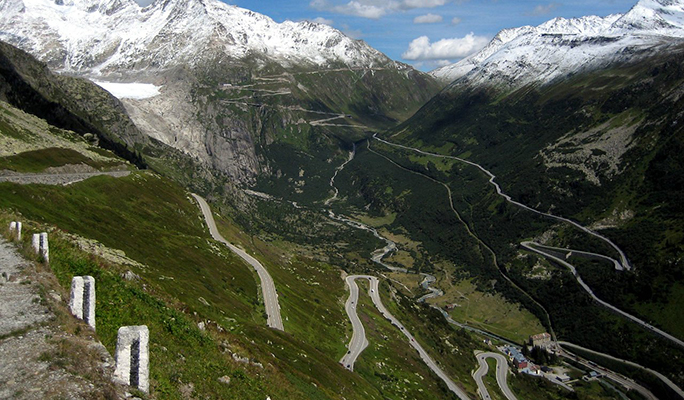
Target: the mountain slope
pixel 143 239
pixel 103 227
pixel 230 82
pixel 559 47
pixel 601 147
pixel 67 102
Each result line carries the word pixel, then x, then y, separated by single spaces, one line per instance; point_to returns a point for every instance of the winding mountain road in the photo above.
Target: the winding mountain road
pixel 268 289
pixel 619 265
pixel 540 249
pixel 359 342
pixel 62 178
pixel 624 262
pixel 501 375
pixel 619 378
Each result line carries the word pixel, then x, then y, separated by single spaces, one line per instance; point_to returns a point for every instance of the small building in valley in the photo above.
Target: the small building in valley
pixel 519 360
pixel 542 340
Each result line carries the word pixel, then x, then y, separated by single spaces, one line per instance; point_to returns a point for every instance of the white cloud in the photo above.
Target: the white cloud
pixel 422 49
pixel 544 9
pixel 356 8
pixel 455 21
pixel 427 19
pixel 411 4
pixel 321 20
pixel 374 9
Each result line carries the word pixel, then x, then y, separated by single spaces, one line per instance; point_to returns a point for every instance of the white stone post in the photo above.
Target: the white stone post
pixel 15 230
pixel 44 248
pixel 82 301
pixel 132 357
pixel 36 242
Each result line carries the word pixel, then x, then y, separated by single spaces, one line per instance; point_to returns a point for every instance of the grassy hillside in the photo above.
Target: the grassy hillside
pixel 185 278
pixel 68 103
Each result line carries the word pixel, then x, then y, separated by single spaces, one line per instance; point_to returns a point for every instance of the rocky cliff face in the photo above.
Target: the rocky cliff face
pixel 218 70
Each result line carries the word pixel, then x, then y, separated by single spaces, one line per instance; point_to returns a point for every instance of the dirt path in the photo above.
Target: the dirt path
pixel 57 179
pixel 38 360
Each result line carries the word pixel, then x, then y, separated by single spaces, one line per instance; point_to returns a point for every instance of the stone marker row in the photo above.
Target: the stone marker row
pixel 132 345
pixel 39 240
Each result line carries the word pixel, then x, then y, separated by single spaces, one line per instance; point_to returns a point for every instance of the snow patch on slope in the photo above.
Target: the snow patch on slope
pixel 133 90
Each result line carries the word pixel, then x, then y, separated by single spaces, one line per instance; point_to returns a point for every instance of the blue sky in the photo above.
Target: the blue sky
pixel 429 33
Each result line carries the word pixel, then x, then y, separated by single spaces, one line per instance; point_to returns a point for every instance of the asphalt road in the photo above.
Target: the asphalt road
pixel 267 286
pixel 540 250
pixel 501 375
pixel 375 297
pixel 358 341
pixel 624 262
pixel 617 377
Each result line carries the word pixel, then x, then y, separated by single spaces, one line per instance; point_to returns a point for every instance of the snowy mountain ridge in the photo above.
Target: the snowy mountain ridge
pixel 100 36
pixel 519 56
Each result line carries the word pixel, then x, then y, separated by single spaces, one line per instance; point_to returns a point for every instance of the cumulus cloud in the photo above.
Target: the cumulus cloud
pixel 422 49
pixel 455 21
pixel 411 4
pixel 321 20
pixel 544 9
pixel 356 8
pixel 427 19
pixel 373 9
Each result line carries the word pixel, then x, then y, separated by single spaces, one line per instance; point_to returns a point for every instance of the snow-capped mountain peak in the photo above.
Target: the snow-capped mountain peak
pixel 561 46
pixel 657 15
pixel 108 35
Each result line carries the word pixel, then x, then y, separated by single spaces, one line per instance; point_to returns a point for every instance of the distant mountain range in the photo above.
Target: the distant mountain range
pixel 102 36
pixel 559 47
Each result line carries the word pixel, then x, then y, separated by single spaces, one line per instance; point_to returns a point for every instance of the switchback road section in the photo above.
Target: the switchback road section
pixel 268 289
pixel 501 375
pixel 359 342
